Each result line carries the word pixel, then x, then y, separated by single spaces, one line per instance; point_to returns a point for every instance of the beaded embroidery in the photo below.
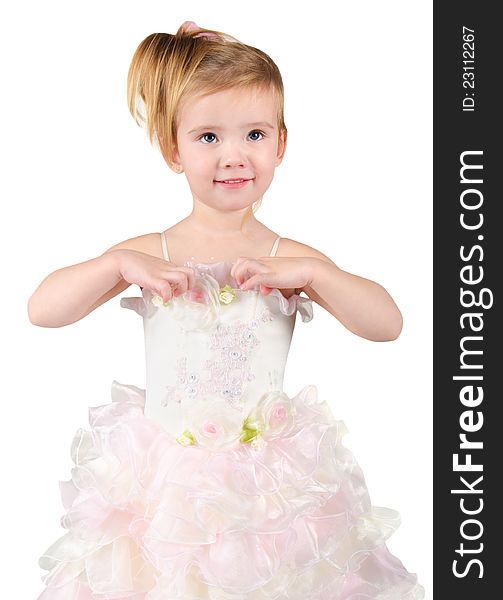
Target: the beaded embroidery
pixel 228 372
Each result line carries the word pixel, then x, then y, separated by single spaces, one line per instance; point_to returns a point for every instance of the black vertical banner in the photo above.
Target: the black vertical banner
pixel 468 259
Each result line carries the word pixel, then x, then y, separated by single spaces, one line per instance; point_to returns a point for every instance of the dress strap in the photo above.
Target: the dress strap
pixel 275 246
pixel 164 243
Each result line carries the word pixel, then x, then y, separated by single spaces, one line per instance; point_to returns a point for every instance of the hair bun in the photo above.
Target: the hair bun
pixel 191 26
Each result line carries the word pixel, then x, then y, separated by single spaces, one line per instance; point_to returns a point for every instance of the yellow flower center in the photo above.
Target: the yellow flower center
pixel 251 430
pixel 186 439
pixel 226 294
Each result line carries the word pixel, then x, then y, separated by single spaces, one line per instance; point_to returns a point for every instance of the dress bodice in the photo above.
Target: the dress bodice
pixel 215 347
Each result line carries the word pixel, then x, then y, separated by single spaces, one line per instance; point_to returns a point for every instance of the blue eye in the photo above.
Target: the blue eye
pixel 208 133
pixel 205 134
pixel 257 131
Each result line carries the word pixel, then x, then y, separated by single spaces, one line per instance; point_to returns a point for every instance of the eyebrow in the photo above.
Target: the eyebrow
pixel 263 124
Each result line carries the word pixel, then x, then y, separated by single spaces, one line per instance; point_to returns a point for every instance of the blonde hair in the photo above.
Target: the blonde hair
pixel 166 69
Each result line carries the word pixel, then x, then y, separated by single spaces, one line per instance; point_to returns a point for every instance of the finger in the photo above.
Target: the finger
pixel 165 291
pixel 265 289
pixel 238 266
pixel 240 269
pixel 179 286
pixel 177 289
pixel 253 281
pixel 248 268
pixel 190 273
pixel 178 280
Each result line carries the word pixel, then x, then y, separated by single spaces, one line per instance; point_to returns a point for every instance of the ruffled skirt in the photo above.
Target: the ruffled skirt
pixel 151 519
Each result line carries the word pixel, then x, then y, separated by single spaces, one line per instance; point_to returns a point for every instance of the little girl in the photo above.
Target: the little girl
pixel 212 483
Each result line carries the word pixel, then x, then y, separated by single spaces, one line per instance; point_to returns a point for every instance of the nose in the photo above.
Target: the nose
pixel 234 163
pixel 233 154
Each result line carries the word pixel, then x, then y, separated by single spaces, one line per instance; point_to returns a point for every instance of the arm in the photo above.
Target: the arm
pixel 69 294
pixel 362 306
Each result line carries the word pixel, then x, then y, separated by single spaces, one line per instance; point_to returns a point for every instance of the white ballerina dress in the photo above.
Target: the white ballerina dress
pixel 212 483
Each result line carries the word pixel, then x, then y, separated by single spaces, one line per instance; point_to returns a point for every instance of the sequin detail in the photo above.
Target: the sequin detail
pixel 227 373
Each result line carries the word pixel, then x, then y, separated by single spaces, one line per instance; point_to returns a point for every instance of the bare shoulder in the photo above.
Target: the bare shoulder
pixel 289 247
pixel 149 243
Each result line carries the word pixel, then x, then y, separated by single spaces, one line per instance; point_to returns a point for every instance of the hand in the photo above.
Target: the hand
pixel 160 276
pixel 273 272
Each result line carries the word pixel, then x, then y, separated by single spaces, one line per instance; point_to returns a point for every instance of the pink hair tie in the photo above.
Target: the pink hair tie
pixel 192 26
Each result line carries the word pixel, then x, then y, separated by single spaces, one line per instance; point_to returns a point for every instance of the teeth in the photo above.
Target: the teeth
pixel 233 180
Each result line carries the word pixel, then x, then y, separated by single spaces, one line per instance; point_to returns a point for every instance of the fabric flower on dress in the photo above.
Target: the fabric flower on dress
pixel 227 294
pixel 273 416
pixel 210 278
pixel 186 439
pixel 252 429
pixel 215 425
pixel 198 308
pixel 158 301
pixel 196 295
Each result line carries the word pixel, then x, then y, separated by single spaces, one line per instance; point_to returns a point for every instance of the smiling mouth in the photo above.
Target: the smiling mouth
pixel 231 180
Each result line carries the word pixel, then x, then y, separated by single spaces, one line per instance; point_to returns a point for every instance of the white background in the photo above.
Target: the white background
pixel 79 176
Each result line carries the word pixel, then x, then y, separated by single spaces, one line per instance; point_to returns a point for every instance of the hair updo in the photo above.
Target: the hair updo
pixel 166 69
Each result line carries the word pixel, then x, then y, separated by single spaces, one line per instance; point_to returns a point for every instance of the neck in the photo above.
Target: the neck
pixel 213 222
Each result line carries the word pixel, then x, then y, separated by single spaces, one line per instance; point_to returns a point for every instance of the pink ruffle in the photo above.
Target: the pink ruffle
pixel 295 302
pixel 150 519
pixel 217 275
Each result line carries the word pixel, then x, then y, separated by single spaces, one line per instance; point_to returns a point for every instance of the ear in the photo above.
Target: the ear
pixel 174 162
pixel 280 153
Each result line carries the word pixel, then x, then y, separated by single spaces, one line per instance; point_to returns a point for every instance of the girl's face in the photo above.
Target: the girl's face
pixel 229 135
